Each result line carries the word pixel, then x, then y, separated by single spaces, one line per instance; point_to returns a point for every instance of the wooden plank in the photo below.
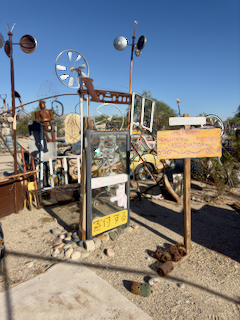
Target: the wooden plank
pixel 183 121
pixel 187 199
pixel 19 175
pixel 194 143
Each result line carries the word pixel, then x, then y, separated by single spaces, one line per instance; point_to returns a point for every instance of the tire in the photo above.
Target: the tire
pixel 141 172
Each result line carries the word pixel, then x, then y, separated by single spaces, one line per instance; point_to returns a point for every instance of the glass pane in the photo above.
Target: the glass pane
pixel 147 113
pixel 109 154
pixel 109 182
pixel 137 109
pixel 108 200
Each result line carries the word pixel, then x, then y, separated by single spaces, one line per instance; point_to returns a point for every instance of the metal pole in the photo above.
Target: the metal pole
pixel 13 104
pixel 131 67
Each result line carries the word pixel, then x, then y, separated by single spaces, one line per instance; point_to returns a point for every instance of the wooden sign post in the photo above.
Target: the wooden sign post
pixel 186 144
pixel 187 198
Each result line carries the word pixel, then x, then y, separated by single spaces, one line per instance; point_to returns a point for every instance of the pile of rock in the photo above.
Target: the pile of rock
pixel 69 245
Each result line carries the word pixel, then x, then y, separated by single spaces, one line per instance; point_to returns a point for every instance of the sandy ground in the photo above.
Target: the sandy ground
pixel 203 285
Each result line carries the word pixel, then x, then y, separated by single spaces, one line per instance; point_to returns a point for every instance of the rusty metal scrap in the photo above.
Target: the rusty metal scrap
pixel 165 268
pixel 181 249
pixel 173 250
pixel 142 289
pixel 163 255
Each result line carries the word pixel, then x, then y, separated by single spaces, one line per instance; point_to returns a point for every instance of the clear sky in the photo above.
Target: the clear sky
pixel 192 50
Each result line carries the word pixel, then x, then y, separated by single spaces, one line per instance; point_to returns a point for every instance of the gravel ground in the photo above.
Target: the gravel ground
pixel 203 285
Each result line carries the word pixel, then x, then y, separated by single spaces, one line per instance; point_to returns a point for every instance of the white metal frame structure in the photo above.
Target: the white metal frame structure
pixel 137 124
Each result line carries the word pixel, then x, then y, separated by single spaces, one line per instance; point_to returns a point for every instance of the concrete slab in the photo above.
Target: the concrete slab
pixel 67 291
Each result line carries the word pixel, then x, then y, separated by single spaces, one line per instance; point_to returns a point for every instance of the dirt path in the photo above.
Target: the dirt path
pixel 203 285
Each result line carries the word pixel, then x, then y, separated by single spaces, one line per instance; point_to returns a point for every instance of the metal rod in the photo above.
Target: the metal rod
pixel 41 156
pixel 13 104
pixel 131 67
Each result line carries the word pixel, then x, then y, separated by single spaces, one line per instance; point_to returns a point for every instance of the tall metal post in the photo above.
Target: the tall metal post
pixel 131 67
pixel 13 104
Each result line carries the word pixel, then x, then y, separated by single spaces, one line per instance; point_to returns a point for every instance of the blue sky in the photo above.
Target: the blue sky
pixel 192 50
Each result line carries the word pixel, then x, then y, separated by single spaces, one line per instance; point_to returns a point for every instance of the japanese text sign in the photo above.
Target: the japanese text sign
pixel 194 143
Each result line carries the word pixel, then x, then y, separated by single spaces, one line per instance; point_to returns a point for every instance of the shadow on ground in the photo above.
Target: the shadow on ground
pixel 212 227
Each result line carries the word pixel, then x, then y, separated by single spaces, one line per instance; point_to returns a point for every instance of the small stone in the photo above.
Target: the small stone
pixel 58 246
pixel 120 231
pixel 56 231
pixel 113 235
pixel 69 234
pixel 80 243
pixel 67 246
pixel 135 227
pixel 75 255
pixel 154 282
pixel 68 253
pixel 89 245
pixel 56 251
pixel 124 229
pixel 74 245
pixel 181 285
pixel 97 242
pixel 29 264
pixel 54 254
pixel 62 236
pixel 76 239
pixel 68 239
pixel 60 249
pixel 61 255
pixel 107 237
pixel 75 234
pixel 85 254
pixel 102 237
pixel 109 252
pixel 129 229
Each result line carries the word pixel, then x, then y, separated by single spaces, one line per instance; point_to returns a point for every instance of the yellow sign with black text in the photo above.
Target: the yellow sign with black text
pixel 109 222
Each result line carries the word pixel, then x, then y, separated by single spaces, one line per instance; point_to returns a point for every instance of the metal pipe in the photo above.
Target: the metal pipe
pixel 13 104
pixel 131 67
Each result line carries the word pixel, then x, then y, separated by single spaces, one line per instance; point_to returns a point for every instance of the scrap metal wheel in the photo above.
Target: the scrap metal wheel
pixel 108 116
pixel 65 65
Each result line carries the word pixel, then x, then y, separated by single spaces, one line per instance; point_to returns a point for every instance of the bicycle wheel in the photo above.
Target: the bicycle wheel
pixel 141 173
pixel 215 121
pixel 65 65
pixel 57 107
pixel 108 116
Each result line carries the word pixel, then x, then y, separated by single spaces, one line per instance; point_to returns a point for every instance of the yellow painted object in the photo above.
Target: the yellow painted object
pixel 30 188
pixel 109 222
pixel 151 158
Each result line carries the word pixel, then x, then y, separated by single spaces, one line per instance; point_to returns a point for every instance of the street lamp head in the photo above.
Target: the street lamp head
pixel 28 43
pixel 120 43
